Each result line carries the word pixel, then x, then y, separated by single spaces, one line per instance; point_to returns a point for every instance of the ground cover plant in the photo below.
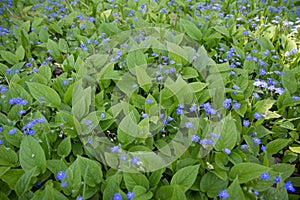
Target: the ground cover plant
pixel 149 99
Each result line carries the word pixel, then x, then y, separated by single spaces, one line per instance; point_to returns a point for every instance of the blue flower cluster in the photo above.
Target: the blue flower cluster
pixel 28 128
pixel 118 196
pixel 17 101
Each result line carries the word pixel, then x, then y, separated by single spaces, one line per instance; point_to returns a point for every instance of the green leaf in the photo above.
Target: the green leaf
pixel 12 176
pixel 211 184
pixel 289 81
pixel 3 170
pixel 223 30
pixel 64 147
pixel 191 29
pixel 185 177
pixel 198 86
pixel 8 157
pixel 247 171
pixel 49 193
pixel 90 171
pixel 9 57
pixel 265 43
pixel 20 53
pixel 155 177
pixel 235 191
pixel 63 45
pixel 14 139
pixel 140 193
pixel 263 105
pixel 32 154
pixel 73 179
pixel 170 192
pixel 136 58
pixel 56 28
pixel 128 129
pixel 177 53
pixel 180 89
pixel 112 186
pixel 56 165
pixel 98 60
pixel 51 45
pixel 45 71
pixel 285 170
pixel 25 43
pixel 295 149
pixel 133 179
pixel 25 181
pixel 143 78
pixel 49 95
pixel 81 102
pixel 229 135
pixel 277 145
pixel 189 72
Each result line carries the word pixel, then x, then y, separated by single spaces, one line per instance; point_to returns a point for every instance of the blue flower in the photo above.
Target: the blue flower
pixel 17 101
pixel 117 196
pixel 189 124
pixel 244 147
pixel 236 105
pixel 1 142
pixel 49 58
pixel 276 179
pixel 195 138
pixel 144 115
pixel 215 135
pixel 2 88
pixel 8 71
pixel 163 10
pixel 208 109
pixel 30 132
pixel 246 123
pixel 296 98
pixel 130 195
pixel 149 101
pixel 179 111
pixel 262 72
pixel 170 118
pixel 236 87
pixel 12 131
pixel 64 184
pixel 206 141
pixel 255 192
pixel 256 95
pixel 41 120
pixel 193 108
pixel 263 148
pixel 256 140
pixel 115 149
pixel 65 82
pixel 289 186
pixel 135 160
pixel 102 115
pixel 257 115
pixel 227 151
pixel 79 198
pixel 227 103
pixel 223 194
pixel 60 175
pixel 265 176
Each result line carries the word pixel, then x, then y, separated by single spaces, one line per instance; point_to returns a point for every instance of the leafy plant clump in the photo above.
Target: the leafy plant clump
pixel 149 99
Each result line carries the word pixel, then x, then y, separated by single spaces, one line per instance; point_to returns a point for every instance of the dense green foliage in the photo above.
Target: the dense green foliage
pixel 149 99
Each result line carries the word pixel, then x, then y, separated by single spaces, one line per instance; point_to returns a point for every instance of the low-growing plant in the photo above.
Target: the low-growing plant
pixel 149 99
